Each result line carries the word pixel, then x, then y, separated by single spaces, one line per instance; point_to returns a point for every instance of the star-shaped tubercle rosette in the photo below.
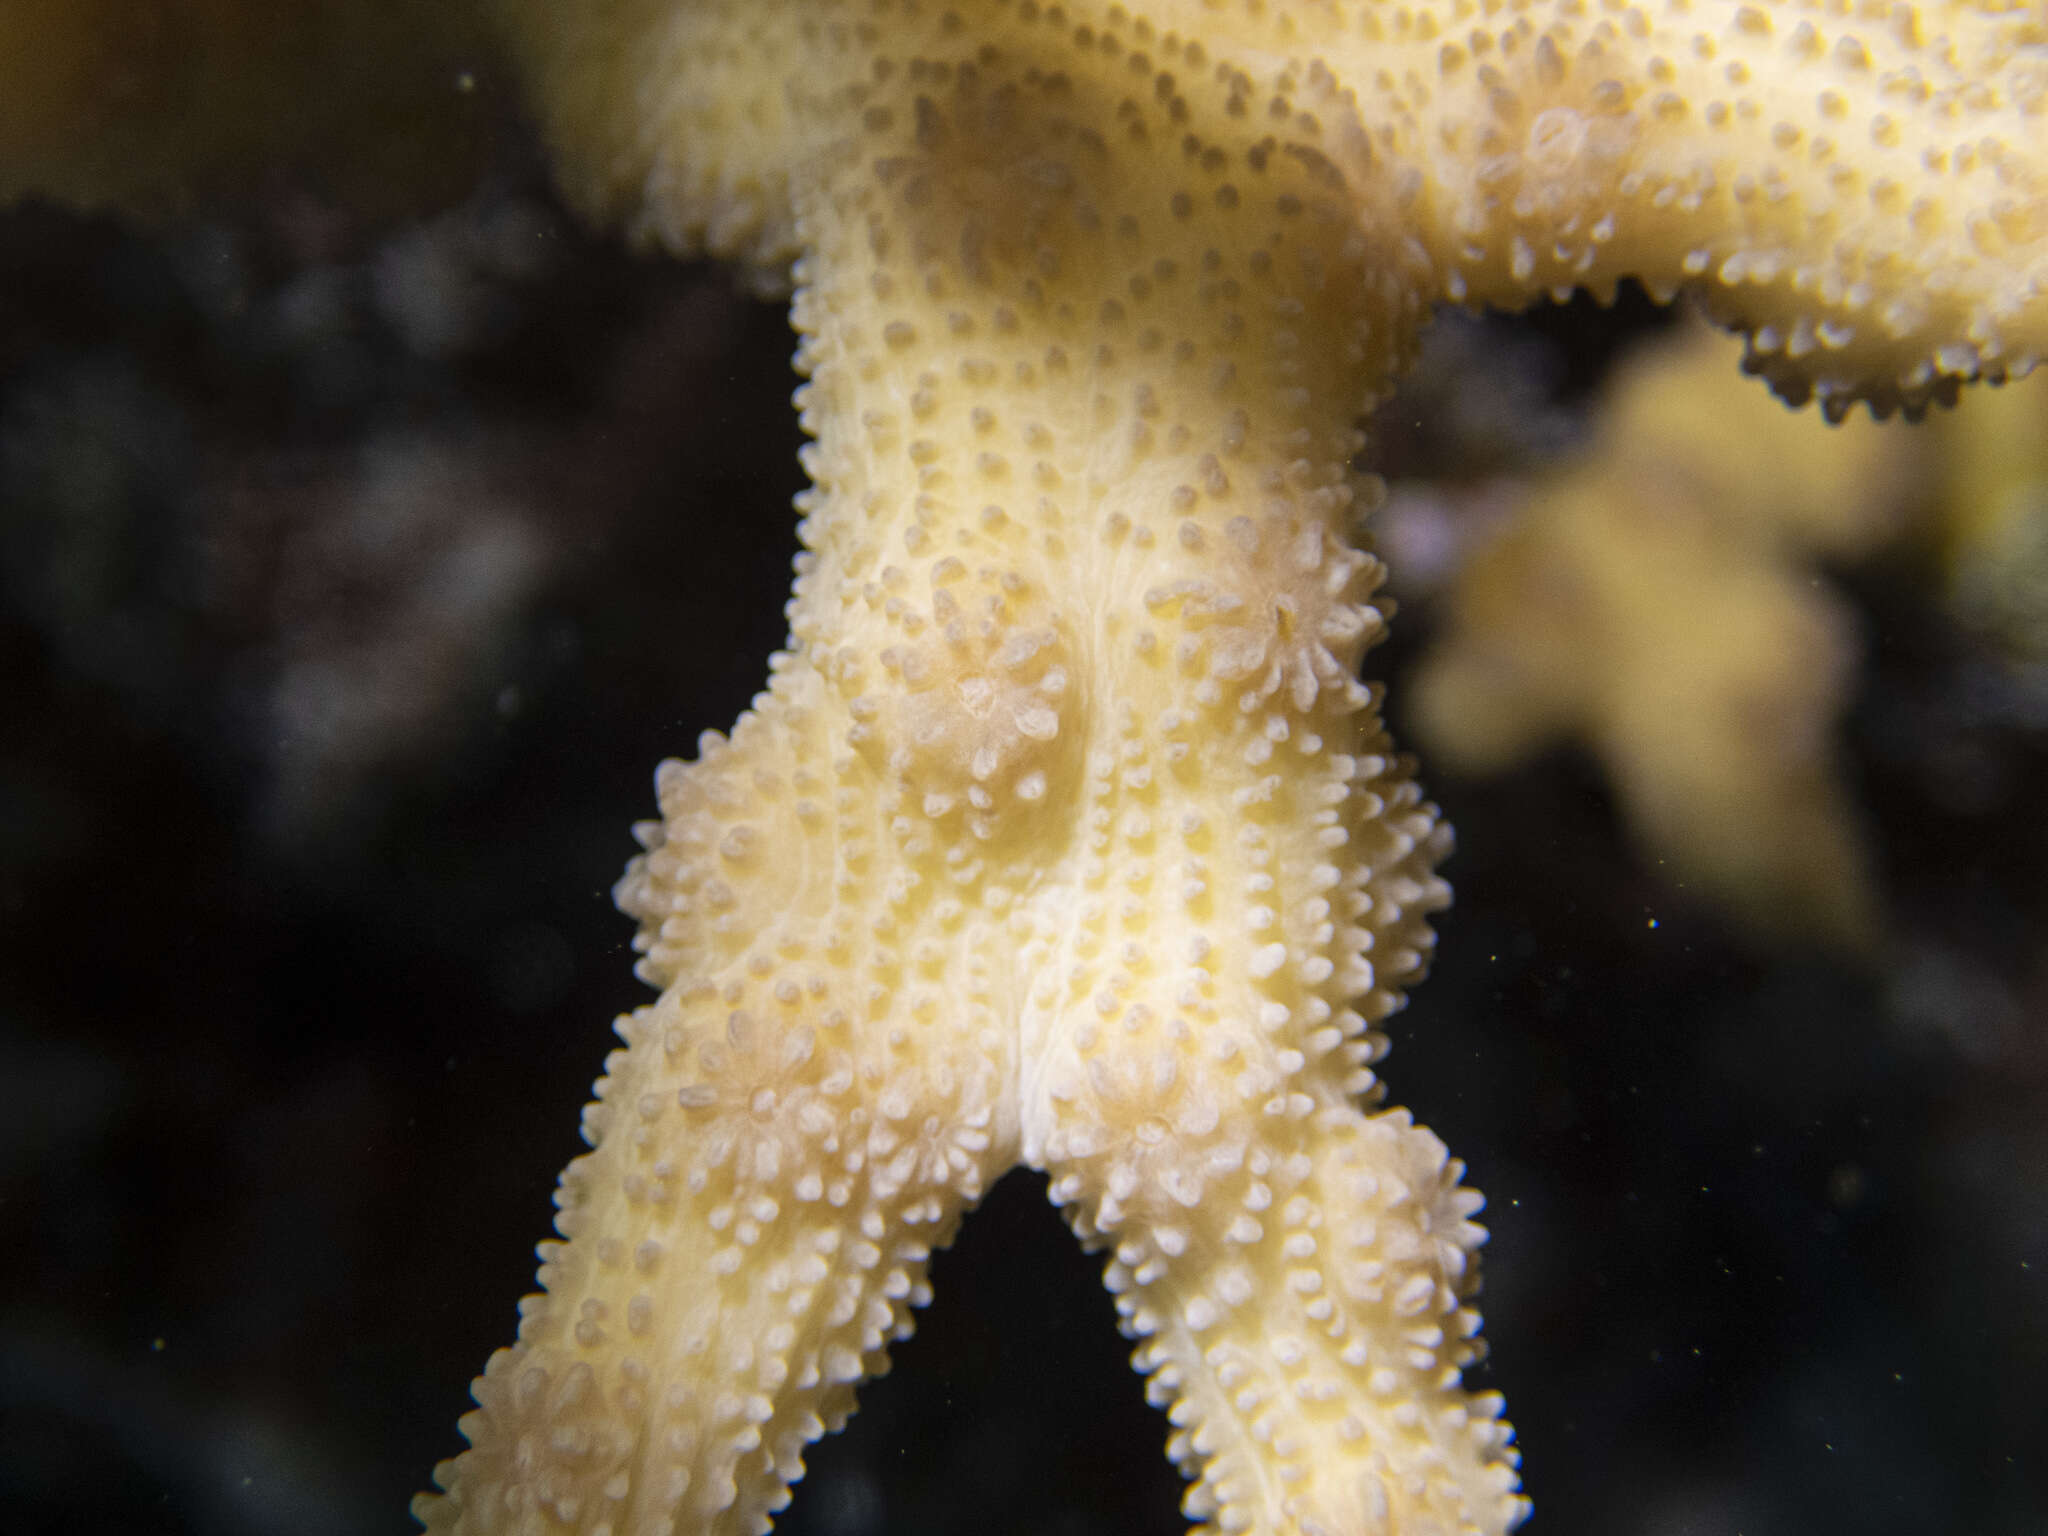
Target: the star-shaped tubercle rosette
pixel 1064 833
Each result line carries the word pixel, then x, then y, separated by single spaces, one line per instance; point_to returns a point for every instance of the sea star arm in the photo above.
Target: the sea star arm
pixel 786 1136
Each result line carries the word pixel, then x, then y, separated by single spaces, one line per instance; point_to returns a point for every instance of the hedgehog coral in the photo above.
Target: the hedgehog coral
pixel 1063 833
pixel 1089 872
pixel 1992 521
pixel 1648 598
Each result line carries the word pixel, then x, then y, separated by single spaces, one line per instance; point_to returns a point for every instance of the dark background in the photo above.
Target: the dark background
pixel 354 578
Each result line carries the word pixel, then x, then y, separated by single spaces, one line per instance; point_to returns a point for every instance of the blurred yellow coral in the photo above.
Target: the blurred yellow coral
pixel 151 106
pixel 1653 599
pixel 1990 532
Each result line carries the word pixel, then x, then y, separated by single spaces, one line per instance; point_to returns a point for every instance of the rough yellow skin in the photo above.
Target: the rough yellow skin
pixel 1860 185
pixel 1063 834
pixel 1655 599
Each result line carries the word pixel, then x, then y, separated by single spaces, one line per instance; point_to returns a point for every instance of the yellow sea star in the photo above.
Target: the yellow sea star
pixel 1063 833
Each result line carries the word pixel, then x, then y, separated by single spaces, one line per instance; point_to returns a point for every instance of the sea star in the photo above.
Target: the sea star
pixel 1064 834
